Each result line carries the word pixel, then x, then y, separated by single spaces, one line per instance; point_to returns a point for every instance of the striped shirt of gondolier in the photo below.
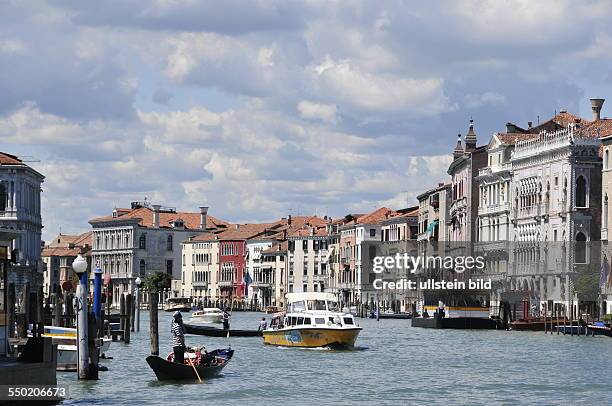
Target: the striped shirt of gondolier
pixel 178 336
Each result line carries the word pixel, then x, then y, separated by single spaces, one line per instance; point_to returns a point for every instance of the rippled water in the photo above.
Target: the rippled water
pixel 394 364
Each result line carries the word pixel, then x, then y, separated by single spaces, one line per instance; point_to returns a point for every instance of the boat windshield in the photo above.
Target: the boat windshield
pixel 316 305
pixel 332 306
pixel 297 306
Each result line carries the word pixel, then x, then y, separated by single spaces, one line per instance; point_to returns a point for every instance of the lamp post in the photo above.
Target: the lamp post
pixel 138 283
pixel 79 265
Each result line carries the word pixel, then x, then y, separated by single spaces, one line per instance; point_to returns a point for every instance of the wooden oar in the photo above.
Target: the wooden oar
pixel 194 368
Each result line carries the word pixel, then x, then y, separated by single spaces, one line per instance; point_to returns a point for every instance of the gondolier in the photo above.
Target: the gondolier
pixel 178 337
pixel 226 317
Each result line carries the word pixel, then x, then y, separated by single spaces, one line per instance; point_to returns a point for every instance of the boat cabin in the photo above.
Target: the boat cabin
pixel 312 309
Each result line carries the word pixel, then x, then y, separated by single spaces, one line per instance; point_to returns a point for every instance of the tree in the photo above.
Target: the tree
pixel 158 281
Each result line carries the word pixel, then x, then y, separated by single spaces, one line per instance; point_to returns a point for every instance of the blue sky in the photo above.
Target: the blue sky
pixel 258 108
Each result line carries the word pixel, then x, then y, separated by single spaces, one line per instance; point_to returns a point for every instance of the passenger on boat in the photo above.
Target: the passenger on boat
pixel 425 314
pixel 263 324
pixel 178 338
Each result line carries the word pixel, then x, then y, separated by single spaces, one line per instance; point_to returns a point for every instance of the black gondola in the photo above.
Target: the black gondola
pixel 218 332
pixel 211 365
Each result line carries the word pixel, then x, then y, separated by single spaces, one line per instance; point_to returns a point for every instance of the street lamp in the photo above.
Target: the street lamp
pixel 138 281
pixel 79 265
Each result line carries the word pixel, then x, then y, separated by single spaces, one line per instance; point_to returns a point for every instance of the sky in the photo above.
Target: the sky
pixel 260 109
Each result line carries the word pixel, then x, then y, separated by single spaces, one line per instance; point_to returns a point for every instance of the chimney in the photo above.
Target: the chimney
pixel 529 124
pixel 289 220
pixel 511 128
pixel 236 226
pixel 156 208
pixel 596 105
pixel 203 215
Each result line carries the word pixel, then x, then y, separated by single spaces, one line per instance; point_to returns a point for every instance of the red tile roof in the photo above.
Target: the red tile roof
pixel 145 217
pixel 69 245
pixel 376 216
pixel 512 138
pixel 8 159
pixel 596 129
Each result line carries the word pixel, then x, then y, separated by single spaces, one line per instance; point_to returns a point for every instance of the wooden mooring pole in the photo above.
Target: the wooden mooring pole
pixel 128 318
pixel 153 327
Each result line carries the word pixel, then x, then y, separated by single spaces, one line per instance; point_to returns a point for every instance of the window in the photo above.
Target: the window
pixel 556 181
pixel 143 267
pixel 169 243
pixel 372 232
pixel 581 257
pixel 605 212
pixel 3 197
pixel 305 245
pixel 581 192
pixel 169 266
pixel 348 320
pixel 307 320
pixel 142 242
pixel 305 288
pixel 319 320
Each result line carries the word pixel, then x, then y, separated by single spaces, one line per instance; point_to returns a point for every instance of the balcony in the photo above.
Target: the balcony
pixel 604 234
pixel 200 284
pixel 261 285
pixel 305 278
pixel 290 279
pixel 319 278
pixel 493 208
pixel 226 284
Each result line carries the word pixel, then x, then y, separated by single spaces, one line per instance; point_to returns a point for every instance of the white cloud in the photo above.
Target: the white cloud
pixel 317 111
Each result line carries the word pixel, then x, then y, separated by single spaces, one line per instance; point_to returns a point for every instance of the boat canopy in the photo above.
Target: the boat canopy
pixel 303 296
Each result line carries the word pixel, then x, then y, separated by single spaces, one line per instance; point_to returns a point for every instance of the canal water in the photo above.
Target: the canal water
pixel 394 364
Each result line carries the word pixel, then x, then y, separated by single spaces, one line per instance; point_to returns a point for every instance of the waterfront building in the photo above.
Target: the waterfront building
pixel 403 226
pixel 57 257
pixel 308 259
pixel 606 215
pixel 555 209
pixel 433 214
pixel 200 268
pixel 20 210
pixel 463 210
pixel 274 264
pixel 145 239
pixel 355 283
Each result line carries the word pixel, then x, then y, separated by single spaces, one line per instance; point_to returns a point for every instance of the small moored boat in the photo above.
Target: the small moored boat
pixel 218 332
pixel 182 304
pixel 208 315
pixel 207 365
pixel 312 321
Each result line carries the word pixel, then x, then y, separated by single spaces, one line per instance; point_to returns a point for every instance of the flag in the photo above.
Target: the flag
pixel 246 281
pixel 605 272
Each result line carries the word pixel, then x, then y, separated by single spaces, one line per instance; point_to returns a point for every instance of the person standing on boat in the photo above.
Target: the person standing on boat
pixel 262 324
pixel 226 317
pixel 178 338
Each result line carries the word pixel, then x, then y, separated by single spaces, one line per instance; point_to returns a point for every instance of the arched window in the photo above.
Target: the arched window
pixel 606 159
pixel 142 242
pixel 143 267
pixel 581 192
pixel 169 243
pixel 3 197
pixel 581 253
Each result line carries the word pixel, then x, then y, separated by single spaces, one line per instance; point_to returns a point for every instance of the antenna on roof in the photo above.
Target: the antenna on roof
pixel 28 158
pixel 538 119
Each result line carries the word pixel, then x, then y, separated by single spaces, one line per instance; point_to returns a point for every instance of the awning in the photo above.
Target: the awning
pixel 431 227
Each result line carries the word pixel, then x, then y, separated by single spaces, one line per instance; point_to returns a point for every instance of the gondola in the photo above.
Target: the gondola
pixel 210 366
pixel 218 332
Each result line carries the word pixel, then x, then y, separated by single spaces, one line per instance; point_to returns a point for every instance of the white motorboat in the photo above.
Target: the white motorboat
pixel 208 315
pixel 66 340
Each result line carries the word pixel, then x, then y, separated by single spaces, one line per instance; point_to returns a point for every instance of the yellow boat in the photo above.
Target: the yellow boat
pixel 312 321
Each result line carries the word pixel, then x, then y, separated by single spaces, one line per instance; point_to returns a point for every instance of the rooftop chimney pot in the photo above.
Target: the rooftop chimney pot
pixel 596 105
pixel 203 215
pixel 156 208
